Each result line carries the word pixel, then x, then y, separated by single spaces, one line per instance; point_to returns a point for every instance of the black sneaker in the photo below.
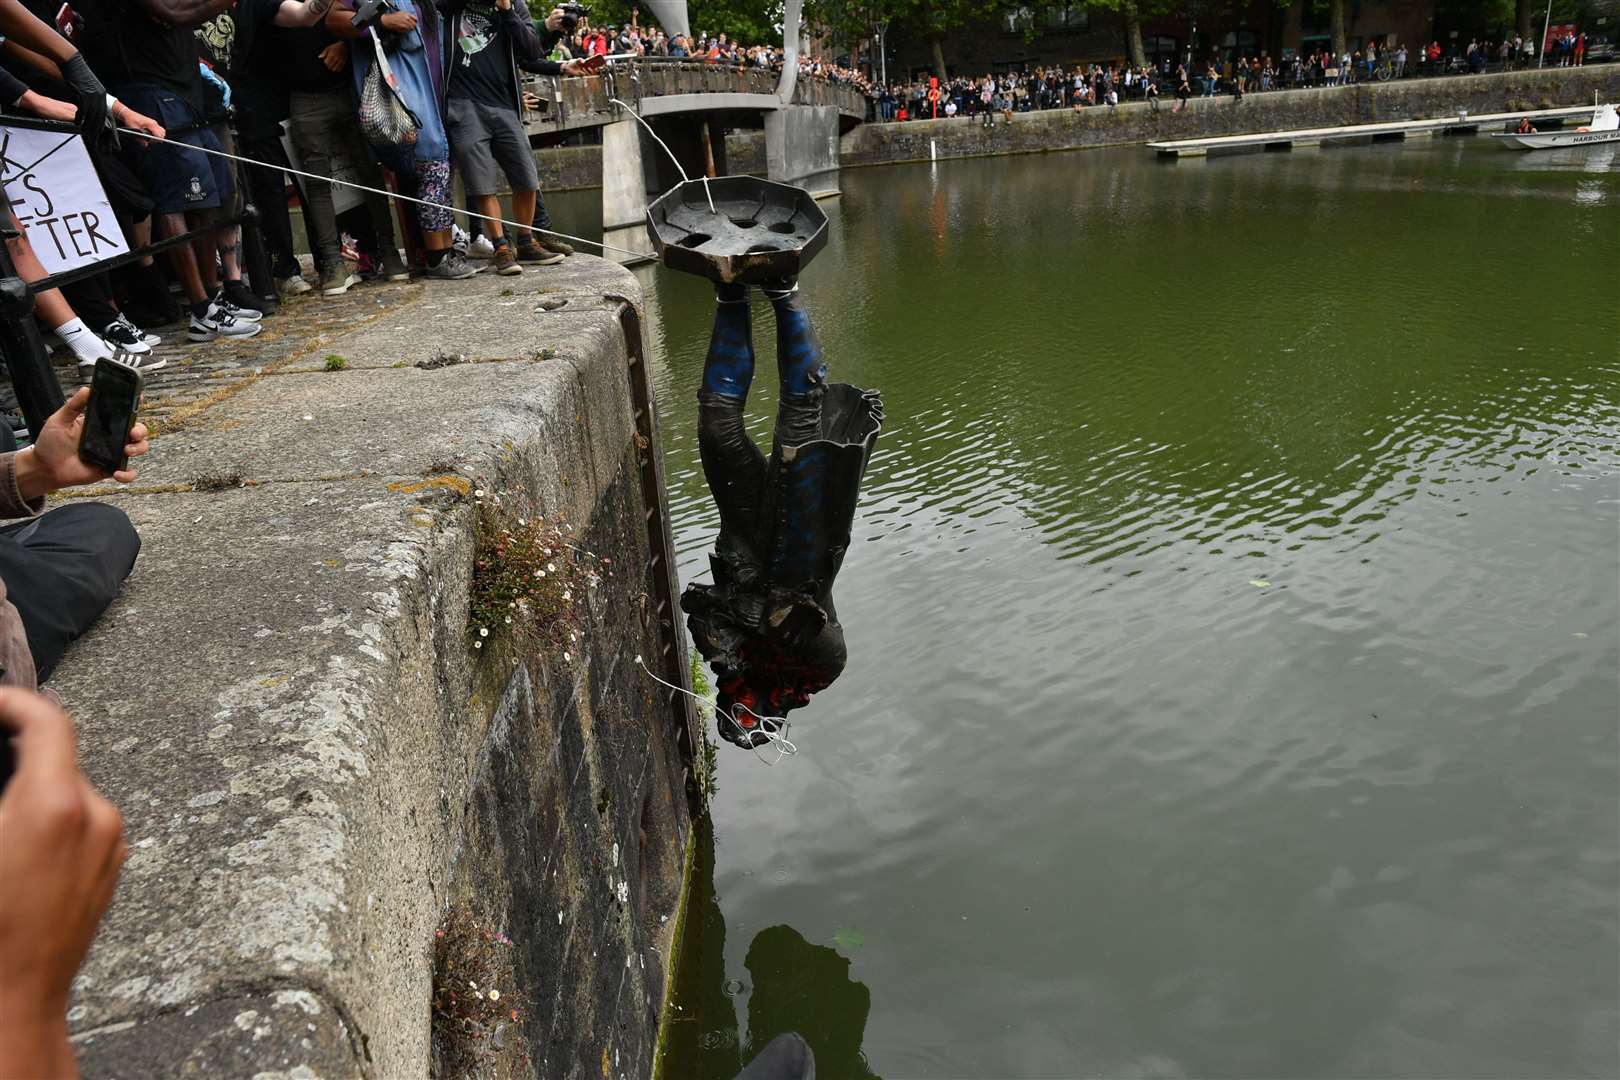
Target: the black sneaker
pixel 125 338
pixel 235 298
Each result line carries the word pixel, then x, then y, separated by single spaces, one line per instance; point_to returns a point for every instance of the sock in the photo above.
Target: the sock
pixel 730 292
pixel 200 308
pixel 498 241
pixel 434 258
pixel 87 347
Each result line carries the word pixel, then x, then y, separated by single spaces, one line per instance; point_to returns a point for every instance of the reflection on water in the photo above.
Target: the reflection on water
pixel 1233 619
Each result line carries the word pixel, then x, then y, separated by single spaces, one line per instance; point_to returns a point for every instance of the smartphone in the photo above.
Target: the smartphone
pixel 115 394
pixel 65 21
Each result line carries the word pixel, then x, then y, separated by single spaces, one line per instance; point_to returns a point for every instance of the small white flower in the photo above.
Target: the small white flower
pixel 566 658
pixel 478 644
pixel 483 631
pixel 478 493
pixel 539 573
pixel 509 620
pixel 551 567
pixel 567 595
pixel 494 995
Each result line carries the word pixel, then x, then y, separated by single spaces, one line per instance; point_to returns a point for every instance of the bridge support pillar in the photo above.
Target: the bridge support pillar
pixel 801 146
pixel 624 191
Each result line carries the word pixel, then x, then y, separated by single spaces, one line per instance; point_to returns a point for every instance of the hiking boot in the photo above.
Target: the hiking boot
pixel 453 267
pixel 336 284
pixel 533 252
pixel 125 336
pixel 394 268
pixel 551 243
pixel 505 265
pixel 220 323
pixel 235 298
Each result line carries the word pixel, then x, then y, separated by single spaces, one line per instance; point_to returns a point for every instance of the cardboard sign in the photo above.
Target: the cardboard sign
pixel 340 165
pixel 56 196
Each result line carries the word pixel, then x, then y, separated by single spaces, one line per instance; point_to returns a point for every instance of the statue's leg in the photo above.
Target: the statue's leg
pixel 732 464
pixel 800 367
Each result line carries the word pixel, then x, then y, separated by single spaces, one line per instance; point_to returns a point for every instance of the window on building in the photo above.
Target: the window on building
pixel 1157 47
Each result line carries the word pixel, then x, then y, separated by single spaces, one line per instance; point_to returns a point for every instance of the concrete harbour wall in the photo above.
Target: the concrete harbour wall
pixel 313 760
pixel 1066 129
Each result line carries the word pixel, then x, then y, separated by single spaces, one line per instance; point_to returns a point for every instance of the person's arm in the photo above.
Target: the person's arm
pixel 63 850
pixel 33 59
pixel 515 21
pixel 340 22
pixel 53 462
pixel 301 12
pixel 183 12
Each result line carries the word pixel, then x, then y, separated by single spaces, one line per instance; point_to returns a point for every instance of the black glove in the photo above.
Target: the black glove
pixel 95 118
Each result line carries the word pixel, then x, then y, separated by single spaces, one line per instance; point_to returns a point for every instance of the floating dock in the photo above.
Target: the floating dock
pixel 1461 123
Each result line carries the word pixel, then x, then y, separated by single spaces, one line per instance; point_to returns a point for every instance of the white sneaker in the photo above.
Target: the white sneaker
pixel 481 248
pixel 220 323
pixel 294 286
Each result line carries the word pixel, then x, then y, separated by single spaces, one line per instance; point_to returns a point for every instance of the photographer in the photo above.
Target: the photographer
pixel 59 569
pixel 61 850
pixel 483 110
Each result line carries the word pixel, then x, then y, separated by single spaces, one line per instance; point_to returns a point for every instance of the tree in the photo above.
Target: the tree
pixel 1522 15
pixel 933 19
pixel 1336 26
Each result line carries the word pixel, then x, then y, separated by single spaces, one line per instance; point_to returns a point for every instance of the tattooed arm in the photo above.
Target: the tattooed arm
pixel 301 12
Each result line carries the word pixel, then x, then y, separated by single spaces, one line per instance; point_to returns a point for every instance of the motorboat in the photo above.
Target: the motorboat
pixel 1604 128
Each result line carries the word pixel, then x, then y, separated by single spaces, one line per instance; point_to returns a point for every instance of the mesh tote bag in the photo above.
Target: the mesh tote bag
pixel 385 120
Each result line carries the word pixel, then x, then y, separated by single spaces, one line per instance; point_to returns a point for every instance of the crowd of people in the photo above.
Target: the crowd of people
pixel 1080 86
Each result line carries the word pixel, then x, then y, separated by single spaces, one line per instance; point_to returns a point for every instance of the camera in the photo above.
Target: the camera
pixel 572 13
pixel 370 11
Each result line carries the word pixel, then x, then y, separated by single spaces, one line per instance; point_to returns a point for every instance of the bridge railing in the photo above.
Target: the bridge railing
pixel 568 104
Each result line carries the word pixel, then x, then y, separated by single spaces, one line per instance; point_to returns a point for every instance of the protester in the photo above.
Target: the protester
pixel 325 128
pixel 422 170
pixel 60 569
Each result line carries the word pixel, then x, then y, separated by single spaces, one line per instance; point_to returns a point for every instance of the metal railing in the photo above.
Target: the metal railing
pixel 568 104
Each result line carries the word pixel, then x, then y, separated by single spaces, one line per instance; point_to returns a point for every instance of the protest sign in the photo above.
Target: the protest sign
pixel 56 196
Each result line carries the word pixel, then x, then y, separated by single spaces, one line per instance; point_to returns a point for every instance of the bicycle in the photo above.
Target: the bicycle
pixel 1384 71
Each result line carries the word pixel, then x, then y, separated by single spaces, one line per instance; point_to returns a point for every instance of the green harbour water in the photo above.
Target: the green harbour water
pixel 1234 628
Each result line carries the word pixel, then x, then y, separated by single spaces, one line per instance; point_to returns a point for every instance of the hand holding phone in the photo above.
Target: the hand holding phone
pixel 109 417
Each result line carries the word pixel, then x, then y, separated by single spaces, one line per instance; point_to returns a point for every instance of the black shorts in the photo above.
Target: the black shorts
pixel 178 178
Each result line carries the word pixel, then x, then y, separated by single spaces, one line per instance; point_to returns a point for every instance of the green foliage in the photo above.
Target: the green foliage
pixel 524 582
pixel 334 362
pixel 475 994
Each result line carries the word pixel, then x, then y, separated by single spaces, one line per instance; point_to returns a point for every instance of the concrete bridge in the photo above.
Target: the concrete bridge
pixel 657 87
pixel 690 104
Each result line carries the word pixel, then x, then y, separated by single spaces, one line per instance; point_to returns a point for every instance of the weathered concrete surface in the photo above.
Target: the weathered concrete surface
pixel 1066 129
pixel 801 147
pixel 311 760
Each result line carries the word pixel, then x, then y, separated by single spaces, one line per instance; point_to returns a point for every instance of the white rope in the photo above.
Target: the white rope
pixel 667 150
pixel 777 737
pixel 385 193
